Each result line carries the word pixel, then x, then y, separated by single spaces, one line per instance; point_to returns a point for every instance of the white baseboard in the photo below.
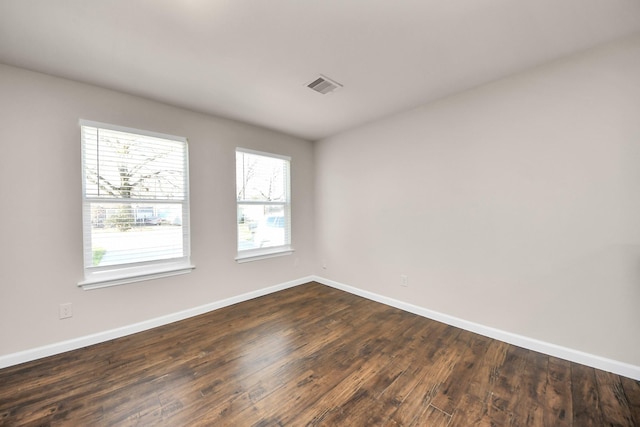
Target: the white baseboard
pixel 76 343
pixel 598 362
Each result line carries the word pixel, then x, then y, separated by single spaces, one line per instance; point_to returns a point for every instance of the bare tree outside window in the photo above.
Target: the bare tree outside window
pixel 131 169
pixel 261 179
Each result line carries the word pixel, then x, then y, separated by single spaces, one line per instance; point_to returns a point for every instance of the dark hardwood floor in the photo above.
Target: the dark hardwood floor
pixel 312 355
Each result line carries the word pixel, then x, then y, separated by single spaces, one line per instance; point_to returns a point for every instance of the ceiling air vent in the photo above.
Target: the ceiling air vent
pixel 324 85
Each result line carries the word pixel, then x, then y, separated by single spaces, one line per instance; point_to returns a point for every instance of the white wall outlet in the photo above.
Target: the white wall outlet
pixel 66 310
pixel 404 280
pixel 324 264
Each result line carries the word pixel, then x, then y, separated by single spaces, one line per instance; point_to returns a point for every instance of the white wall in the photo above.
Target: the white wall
pixel 40 215
pixel 515 205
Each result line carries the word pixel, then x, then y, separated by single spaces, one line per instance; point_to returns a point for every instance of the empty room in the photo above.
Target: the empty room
pixel 320 213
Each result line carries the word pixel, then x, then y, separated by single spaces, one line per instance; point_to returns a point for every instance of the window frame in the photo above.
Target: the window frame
pixel 255 254
pixel 118 274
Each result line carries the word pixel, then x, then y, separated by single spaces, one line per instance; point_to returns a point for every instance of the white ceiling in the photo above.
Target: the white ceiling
pixel 250 59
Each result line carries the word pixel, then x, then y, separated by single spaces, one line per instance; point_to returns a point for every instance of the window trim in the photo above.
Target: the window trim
pixel 104 279
pixel 257 254
pixel 119 274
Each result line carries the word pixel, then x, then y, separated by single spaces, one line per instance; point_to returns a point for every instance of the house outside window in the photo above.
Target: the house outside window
pixel 135 205
pixel 263 204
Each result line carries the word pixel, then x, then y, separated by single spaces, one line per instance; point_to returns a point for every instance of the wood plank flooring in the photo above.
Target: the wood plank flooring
pixel 312 356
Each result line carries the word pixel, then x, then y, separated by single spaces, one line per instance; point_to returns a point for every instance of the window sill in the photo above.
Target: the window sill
pixel 109 278
pixel 258 254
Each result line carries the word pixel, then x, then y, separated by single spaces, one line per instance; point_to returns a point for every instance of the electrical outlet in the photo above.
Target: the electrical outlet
pixel 66 311
pixel 324 264
pixel 404 280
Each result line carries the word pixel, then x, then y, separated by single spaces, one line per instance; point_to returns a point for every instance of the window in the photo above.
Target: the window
pixel 135 205
pixel 264 205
